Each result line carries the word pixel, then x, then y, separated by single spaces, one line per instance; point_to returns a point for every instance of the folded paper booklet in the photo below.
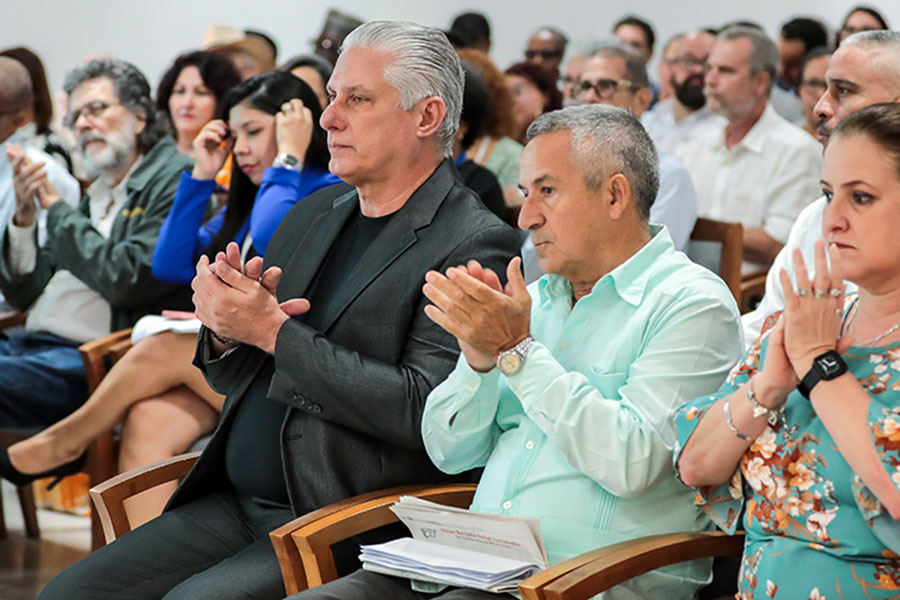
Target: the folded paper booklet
pixel 460 547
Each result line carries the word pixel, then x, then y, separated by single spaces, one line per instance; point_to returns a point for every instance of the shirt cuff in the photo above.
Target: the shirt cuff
pixel 22 248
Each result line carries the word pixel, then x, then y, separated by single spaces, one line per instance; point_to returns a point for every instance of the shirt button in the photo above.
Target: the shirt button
pixel 529 445
pixel 507 505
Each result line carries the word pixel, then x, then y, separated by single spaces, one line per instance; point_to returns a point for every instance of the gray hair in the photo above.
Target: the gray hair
pixel 764 57
pixel 887 45
pixel 132 89
pixel 635 69
pixel 16 92
pixel 607 140
pixel 423 64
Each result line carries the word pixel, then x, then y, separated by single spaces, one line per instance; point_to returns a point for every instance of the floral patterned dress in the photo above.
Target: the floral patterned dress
pixel 814 531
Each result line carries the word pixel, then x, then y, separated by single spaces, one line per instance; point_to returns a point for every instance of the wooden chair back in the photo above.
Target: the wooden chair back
pixel 98 357
pixel 110 495
pixel 730 236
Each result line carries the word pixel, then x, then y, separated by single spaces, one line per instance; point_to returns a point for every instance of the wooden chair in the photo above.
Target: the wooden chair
pixel 304 547
pixel 731 238
pixel 98 357
pixel 109 496
pixel 753 287
pixel 607 567
pixel 10 436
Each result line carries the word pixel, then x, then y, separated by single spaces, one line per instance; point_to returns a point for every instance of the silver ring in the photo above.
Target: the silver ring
pixel 838 311
pixel 836 292
pixel 820 293
pixel 286 108
pixel 802 293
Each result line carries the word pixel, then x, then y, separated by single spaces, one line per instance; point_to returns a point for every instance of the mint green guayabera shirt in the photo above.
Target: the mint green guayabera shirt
pixel 581 437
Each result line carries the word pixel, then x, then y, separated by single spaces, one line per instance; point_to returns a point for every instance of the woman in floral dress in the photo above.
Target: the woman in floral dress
pixel 808 450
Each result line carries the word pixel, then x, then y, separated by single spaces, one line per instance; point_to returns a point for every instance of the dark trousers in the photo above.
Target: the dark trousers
pixel 41 380
pixel 216 547
pixel 364 585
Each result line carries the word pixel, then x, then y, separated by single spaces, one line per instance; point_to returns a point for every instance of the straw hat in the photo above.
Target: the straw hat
pixel 223 37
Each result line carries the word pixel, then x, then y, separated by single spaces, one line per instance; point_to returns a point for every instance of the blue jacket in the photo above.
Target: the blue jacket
pixel 182 237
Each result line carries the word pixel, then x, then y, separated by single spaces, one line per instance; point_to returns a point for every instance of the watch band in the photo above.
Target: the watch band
pixel 825 367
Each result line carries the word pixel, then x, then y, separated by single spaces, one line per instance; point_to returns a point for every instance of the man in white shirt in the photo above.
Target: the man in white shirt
pixel 16 97
pixel 94 272
pixel 617 76
pixel 676 121
pixel 758 170
pixel 863 71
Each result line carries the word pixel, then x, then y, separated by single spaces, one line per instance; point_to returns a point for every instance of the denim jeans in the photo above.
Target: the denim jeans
pixel 41 379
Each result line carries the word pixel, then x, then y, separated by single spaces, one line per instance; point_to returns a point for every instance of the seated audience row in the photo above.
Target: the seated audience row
pixel 328 328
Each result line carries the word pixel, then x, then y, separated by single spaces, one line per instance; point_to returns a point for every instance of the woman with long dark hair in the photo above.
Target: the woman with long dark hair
pixel 191 93
pixel 165 400
pixel 271 116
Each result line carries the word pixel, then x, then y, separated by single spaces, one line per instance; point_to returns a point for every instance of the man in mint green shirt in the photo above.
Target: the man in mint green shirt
pixel 574 425
pixel 565 391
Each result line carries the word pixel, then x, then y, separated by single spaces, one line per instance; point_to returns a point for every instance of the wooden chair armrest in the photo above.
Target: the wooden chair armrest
pixel 95 352
pixel 109 497
pixel 11 319
pixel 303 546
pixel 589 574
pixel 752 286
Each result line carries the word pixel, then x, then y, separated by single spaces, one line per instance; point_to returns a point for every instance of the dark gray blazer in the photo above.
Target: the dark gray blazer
pixel 356 392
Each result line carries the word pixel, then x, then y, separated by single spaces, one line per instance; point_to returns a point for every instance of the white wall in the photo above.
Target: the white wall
pixel 150 33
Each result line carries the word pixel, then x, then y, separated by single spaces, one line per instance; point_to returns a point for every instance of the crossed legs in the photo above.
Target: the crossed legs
pixel 166 399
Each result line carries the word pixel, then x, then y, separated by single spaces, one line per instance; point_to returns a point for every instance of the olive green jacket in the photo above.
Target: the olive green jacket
pixel 120 267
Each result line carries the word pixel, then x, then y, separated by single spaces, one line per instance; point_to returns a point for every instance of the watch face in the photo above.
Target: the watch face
pixel 509 363
pixel 829 365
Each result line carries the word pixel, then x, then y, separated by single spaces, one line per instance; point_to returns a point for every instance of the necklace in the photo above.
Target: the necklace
pixel 877 338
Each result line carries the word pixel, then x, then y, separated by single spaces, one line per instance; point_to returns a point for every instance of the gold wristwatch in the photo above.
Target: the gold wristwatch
pixel 510 361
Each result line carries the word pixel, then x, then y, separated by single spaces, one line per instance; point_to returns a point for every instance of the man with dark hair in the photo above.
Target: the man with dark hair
pixel 798 36
pixel 674 122
pixel 472 30
pixel 638 34
pixel 93 275
pixel 546 47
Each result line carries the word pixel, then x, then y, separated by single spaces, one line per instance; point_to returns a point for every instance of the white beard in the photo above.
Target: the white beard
pixel 108 160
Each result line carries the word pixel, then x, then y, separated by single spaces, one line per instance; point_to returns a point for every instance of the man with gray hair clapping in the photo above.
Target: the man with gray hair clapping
pixel 565 390
pixel 93 275
pixel 324 350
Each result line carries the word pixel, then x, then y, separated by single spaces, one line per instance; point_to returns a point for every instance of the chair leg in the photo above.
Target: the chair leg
pixel 29 511
pixel 3 532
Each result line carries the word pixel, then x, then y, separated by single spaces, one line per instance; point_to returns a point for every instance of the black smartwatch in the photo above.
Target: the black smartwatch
pixel 825 367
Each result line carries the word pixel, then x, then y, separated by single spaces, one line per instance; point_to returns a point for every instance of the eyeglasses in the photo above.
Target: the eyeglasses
pixel 544 54
pixel 604 88
pixel 91 110
pixel 814 86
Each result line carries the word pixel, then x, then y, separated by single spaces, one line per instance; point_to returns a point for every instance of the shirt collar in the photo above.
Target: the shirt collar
pixel 755 139
pixel 629 278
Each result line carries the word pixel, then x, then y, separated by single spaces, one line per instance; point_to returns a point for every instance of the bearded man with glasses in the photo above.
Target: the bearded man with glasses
pixel 676 121
pixel 93 275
